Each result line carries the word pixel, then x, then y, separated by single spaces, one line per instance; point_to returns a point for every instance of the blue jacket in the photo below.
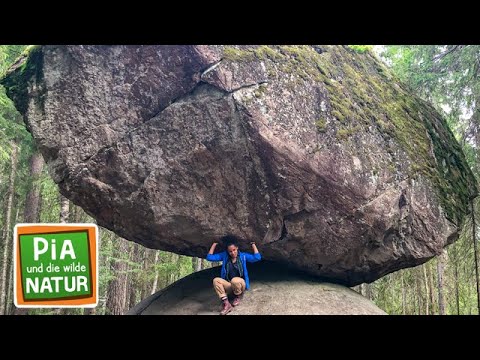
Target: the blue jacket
pixel 244 258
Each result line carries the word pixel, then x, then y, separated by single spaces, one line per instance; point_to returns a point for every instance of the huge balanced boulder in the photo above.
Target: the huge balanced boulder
pixel 316 152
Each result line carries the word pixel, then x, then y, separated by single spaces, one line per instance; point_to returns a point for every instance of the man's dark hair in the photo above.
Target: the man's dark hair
pixel 229 239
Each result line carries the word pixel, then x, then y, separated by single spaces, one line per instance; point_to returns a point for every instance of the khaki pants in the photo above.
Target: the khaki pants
pixel 224 287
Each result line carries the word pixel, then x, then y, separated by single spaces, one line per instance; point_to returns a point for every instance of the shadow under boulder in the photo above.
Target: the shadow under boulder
pixel 274 290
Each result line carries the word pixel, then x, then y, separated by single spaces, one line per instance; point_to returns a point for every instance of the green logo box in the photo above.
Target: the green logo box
pixel 56 265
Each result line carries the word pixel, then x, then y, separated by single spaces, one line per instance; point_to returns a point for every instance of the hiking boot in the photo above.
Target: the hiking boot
pixel 237 299
pixel 227 307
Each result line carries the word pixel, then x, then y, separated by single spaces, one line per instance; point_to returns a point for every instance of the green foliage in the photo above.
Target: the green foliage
pixel 50 199
pixel 444 75
pixel 27 68
pixel 361 48
pixel 414 291
pixel 344 133
pixel 260 91
pixel 268 52
pixel 321 125
pixel 249 54
pixel 11 124
pixel 8 55
pixel 447 76
pixel 234 54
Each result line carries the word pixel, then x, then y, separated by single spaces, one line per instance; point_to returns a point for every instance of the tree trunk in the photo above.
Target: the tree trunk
pixel 32 201
pixel 31 213
pixel 457 292
pixel 116 287
pixel 475 254
pixel 133 279
pixel 360 289
pixel 440 272
pixel 155 280
pixel 455 262
pixel 10 306
pixel 427 296
pixel 6 236
pixel 412 298
pixel 468 289
pixel 431 287
pixel 126 291
pixel 77 215
pixel 368 291
pixel 108 264
pixel 64 209
pixel 418 275
pixel 196 264
pixel 145 270
pixel 64 214
pixel 89 311
pixel 173 276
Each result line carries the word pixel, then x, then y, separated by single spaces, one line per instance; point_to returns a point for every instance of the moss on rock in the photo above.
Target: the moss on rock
pixel 28 68
pixel 321 125
pixel 363 92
